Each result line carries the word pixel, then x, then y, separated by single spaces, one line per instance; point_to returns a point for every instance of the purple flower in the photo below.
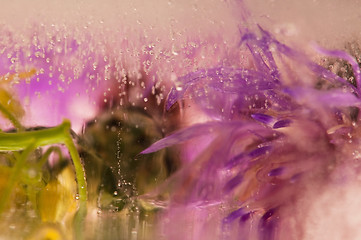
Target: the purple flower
pixel 270 135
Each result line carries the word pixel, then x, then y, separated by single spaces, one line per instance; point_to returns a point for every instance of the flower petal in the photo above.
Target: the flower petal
pixel 345 56
pixel 233 216
pixel 183 135
pixel 331 98
pixel 234 182
pixel 282 123
pixel 263 118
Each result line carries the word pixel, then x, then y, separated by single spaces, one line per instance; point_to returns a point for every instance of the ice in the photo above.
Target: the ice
pixel 100 63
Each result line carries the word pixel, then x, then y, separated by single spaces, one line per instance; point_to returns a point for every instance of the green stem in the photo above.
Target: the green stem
pixel 47 153
pixel 56 135
pixel 79 171
pixel 82 188
pixel 20 140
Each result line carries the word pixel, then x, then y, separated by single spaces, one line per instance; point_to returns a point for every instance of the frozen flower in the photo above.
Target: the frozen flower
pixel 273 129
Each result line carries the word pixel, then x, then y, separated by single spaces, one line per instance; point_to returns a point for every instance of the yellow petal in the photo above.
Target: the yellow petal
pixel 57 199
pixel 47 232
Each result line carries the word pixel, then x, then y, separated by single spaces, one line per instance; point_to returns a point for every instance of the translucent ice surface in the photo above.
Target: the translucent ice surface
pixel 195 120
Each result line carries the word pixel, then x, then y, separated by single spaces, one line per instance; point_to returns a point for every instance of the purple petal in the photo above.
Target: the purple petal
pixel 321 71
pixel 240 80
pixel 173 97
pixel 245 217
pixel 223 79
pixel 263 118
pixel 180 136
pixel 345 56
pixel 175 94
pixel 259 151
pixel 234 182
pixel 260 50
pixel 338 98
pixel 234 161
pixel 303 59
pixel 186 134
pixel 282 123
pixel 268 215
pixel 233 216
pixel 260 63
pixel 296 177
pixel 331 98
pixel 279 101
pixel 324 73
pixel 267 41
pixel 268 225
pixel 275 172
